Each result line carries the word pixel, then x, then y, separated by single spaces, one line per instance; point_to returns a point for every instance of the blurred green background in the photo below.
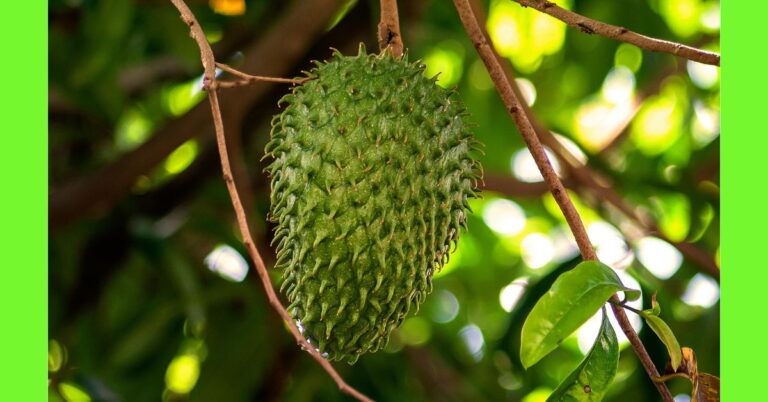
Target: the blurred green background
pixel 151 298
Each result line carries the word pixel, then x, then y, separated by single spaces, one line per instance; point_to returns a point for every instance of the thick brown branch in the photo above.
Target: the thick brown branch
pixel 590 26
pixel 515 107
pixel 389 28
pixel 210 66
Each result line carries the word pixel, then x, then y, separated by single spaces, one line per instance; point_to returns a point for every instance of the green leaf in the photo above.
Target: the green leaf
pixel 631 294
pixel 595 374
pixel 655 308
pixel 666 335
pixel 574 297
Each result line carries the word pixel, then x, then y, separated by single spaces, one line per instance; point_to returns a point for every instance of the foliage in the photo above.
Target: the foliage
pixel 149 296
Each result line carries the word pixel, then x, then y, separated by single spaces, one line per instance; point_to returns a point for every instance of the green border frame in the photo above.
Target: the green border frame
pixel 23 215
pixel 743 199
pixel 23 160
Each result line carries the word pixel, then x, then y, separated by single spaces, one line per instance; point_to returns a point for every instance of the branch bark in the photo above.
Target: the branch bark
pixel 590 26
pixel 514 106
pixel 209 64
pixel 389 29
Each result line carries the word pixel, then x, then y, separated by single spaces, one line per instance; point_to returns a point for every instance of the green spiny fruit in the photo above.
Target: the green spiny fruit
pixel 370 179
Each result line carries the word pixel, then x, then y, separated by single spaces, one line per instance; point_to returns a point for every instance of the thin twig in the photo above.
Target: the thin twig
pixel 590 26
pixel 514 107
pixel 210 65
pixel 389 29
pixel 248 78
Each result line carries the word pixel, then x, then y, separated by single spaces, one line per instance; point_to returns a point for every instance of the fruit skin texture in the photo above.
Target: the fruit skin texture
pixel 370 179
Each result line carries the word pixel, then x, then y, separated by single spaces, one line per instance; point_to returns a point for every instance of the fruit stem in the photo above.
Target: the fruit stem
pixel 389 29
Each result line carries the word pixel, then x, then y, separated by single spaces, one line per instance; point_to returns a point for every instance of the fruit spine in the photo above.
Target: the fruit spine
pixel 371 174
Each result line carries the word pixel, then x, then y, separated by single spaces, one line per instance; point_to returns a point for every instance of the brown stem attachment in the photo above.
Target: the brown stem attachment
pixel 247 79
pixel 523 123
pixel 590 26
pixel 209 65
pixel 389 29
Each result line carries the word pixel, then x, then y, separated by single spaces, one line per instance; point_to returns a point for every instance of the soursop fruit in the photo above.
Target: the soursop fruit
pixel 373 165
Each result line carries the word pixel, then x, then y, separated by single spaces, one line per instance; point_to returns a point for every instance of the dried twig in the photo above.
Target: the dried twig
pixel 389 28
pixel 247 79
pixel 590 26
pixel 514 106
pixel 209 64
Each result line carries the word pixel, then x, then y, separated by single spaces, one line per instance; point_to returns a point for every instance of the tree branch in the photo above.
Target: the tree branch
pixel 590 26
pixel 515 109
pixel 389 29
pixel 514 106
pixel 209 64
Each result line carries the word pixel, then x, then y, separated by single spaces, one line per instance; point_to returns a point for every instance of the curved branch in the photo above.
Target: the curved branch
pixel 514 106
pixel 590 26
pixel 210 74
pixel 389 29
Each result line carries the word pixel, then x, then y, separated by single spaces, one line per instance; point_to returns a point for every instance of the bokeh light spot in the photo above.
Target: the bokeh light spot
pixel 610 245
pixel 710 16
pixel 228 7
pixel 658 123
pixel 706 125
pixel 523 36
pixel 701 291
pixel 703 75
pixel 527 89
pixel 447 307
pixel 524 167
pixel 504 216
pixel 537 250
pixel 132 130
pixel 446 61
pixel 181 98
pixel 511 294
pixel 659 257
pixel 73 393
pixel 228 263
pixel 181 158
pixel 182 373
pixel 629 56
pixel 619 85
pixel 473 339
pixel 682 16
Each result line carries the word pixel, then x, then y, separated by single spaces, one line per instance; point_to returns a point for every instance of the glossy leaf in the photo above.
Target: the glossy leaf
pixel 595 374
pixel 574 297
pixel 631 294
pixel 664 333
